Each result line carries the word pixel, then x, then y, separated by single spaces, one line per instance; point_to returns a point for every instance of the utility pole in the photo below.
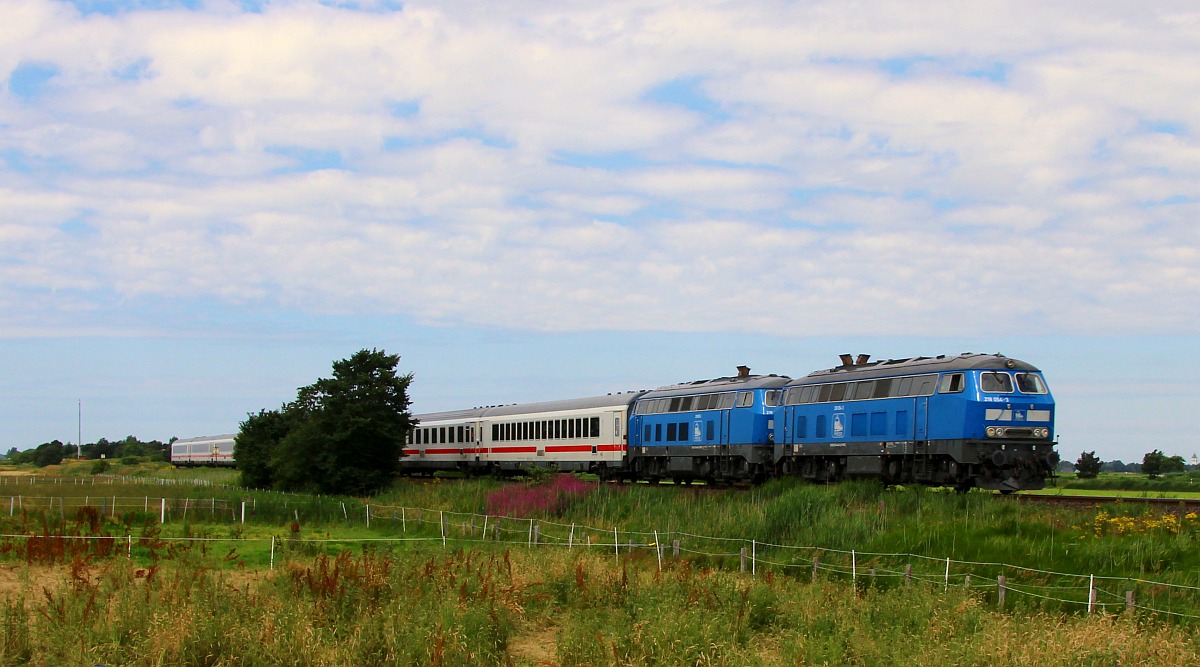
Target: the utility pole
pixel 79 435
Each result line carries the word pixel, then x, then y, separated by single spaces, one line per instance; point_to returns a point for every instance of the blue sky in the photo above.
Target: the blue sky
pixel 206 203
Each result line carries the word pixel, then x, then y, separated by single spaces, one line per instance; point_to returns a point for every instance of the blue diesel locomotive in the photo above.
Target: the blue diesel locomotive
pixel 975 420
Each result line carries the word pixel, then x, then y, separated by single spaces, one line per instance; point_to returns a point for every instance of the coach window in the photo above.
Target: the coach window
pixel 595 427
pixel 495 432
pixel 745 399
pixel 823 393
pixel 671 432
pixel 773 397
pixel 708 430
pixel 905 388
pixel 683 432
pixel 820 426
pixel 952 383
pixel 863 390
pixel 1029 383
pixel 647 433
pixel 837 392
pixel 801 427
pixel 658 432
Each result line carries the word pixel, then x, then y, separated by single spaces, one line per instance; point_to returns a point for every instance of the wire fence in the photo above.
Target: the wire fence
pixel 1004 584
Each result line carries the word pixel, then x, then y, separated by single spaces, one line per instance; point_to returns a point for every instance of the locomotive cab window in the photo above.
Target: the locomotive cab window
pixel 996 383
pixel 1029 383
pixel 745 399
pixel 952 383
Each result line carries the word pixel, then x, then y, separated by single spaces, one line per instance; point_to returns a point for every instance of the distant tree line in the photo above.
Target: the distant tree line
pixel 342 435
pixel 1153 464
pixel 53 452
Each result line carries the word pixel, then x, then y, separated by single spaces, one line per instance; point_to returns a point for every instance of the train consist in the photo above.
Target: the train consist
pixel 972 420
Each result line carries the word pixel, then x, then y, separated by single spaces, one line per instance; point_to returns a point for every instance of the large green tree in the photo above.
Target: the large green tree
pixel 1088 465
pixel 254 443
pixel 1152 463
pixel 344 434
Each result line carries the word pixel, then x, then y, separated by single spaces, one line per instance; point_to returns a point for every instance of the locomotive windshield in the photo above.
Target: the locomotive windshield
pixel 1002 383
pixel 1029 383
pixel 996 383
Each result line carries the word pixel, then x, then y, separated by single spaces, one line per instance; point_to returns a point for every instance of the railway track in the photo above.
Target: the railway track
pixel 1162 504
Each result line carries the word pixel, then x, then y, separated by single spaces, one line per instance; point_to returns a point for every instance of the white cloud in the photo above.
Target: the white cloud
pixel 860 169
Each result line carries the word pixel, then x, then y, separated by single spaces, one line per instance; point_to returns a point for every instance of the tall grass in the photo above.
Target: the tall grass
pixel 494 607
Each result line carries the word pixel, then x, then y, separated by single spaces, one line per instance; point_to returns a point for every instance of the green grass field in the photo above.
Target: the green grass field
pixel 435 580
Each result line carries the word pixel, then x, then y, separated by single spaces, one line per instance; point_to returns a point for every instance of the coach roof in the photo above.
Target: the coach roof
pixel 612 401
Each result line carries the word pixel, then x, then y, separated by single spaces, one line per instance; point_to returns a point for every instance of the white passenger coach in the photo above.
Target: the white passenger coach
pixel 212 450
pixel 586 434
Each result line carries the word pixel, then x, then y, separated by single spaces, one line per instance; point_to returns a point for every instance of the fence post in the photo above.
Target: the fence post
pixel 1129 601
pixel 537 533
pixel 854 568
pixel 908 574
pixel 742 560
pixel 1000 591
pixel 368 515
pixel 571 538
pixel 675 549
pixel 162 515
pixel 816 566
pixel 753 558
pixel 442 526
pixel 272 552
pixel 403 521
pixel 658 550
pixel 483 533
pixel 243 511
pixel 616 545
pixel 1091 593
pixel 947 574
pixel 967 580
